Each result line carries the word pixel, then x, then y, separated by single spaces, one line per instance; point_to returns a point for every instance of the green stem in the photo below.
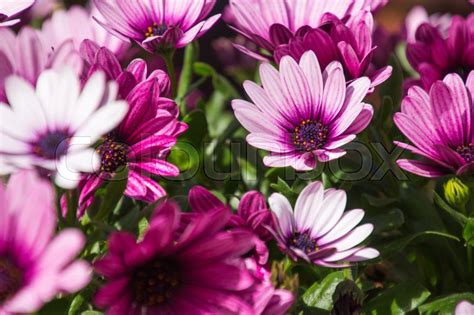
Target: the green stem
pixel 168 57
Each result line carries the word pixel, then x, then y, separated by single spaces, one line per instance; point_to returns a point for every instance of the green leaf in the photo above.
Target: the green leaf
pixel 113 194
pixel 399 299
pixel 76 304
pixel 400 244
pixel 282 187
pixel 249 173
pixel 91 313
pixel 142 227
pixel 320 293
pixel 456 215
pixel 445 305
pixel 388 220
pixel 55 307
pixel 468 232
pixel 197 128
pixel 219 82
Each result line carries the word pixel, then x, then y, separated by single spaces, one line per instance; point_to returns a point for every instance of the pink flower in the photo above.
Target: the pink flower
pixel 418 15
pixel 440 126
pixel 26 56
pixel 34 265
pixel 333 30
pixel 143 140
pixel 157 25
pixel 10 8
pixel 318 230
pixel 184 265
pixel 464 308
pixel 252 215
pixel 434 56
pixel 77 24
pixel 303 115
pixel 53 126
pixel 266 299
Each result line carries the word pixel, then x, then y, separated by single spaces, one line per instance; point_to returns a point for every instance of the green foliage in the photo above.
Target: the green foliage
pixel 400 299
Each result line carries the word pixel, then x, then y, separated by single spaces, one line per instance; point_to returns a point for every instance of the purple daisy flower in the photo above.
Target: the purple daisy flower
pixel 334 31
pixel 53 127
pixel 418 15
pixel 433 55
pixel 157 25
pixel 98 58
pixel 183 265
pixel 319 230
pixel 266 299
pixel 302 115
pixel 252 215
pixel 26 56
pixel 143 139
pixel 76 25
pixel 440 126
pixel 35 265
pixel 9 8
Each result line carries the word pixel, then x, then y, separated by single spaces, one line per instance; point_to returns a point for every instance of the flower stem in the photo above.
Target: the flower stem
pixel 168 57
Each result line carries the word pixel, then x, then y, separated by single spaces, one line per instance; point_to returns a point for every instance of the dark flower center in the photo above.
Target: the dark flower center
pixel 310 135
pixel 154 283
pixel 11 279
pixel 156 30
pixel 467 152
pixel 113 155
pixel 52 145
pixel 304 242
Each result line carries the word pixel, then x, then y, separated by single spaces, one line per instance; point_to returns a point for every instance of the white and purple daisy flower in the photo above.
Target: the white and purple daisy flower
pixel 318 230
pixel 35 265
pixel 157 25
pixel 10 8
pixel 440 126
pixel 302 114
pixel 53 127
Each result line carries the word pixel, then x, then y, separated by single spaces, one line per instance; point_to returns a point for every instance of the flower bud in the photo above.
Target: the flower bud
pixel 456 193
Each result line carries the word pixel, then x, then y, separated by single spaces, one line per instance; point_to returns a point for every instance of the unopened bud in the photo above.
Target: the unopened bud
pixel 456 193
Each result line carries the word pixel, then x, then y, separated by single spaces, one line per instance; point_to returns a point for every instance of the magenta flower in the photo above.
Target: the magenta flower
pixel 434 56
pixel 464 308
pixel 266 299
pixel 143 139
pixel 252 215
pixel 319 230
pixel 157 25
pixel 334 31
pixel 302 115
pixel 77 24
pixel 10 8
pixel 272 23
pixel 98 58
pixel 418 15
pixel 53 127
pixel 440 126
pixel 25 55
pixel 35 266
pixel 186 265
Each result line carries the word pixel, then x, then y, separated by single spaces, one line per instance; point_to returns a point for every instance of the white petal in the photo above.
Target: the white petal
pixel 24 102
pixel 89 100
pixel 283 211
pixel 87 161
pixel 332 209
pixel 349 220
pixel 308 206
pixel 354 238
pixel 103 120
pixel 66 177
